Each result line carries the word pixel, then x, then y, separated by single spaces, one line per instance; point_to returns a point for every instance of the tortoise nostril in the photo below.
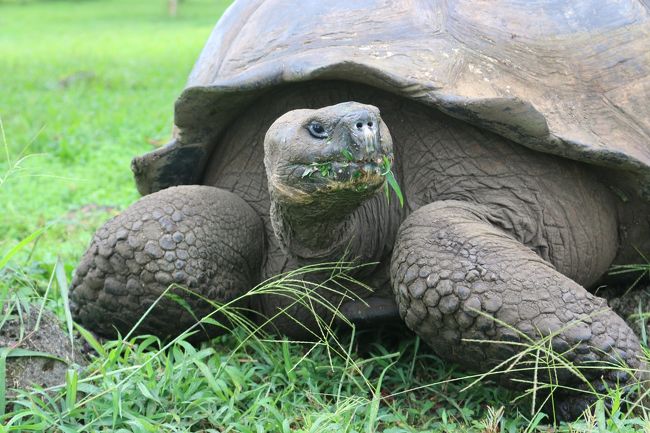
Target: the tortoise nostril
pixel 370 124
pixel 359 125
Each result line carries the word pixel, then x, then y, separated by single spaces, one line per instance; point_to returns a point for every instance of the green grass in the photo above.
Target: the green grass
pixel 85 86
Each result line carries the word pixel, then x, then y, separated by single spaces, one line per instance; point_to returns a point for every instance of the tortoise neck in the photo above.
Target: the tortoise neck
pixel 319 232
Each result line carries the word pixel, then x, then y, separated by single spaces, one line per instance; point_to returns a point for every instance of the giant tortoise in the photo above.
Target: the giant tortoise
pixel 519 137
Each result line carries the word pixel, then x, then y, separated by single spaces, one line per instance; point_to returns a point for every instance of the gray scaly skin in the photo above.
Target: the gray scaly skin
pixel 489 229
pixel 203 238
pixel 453 272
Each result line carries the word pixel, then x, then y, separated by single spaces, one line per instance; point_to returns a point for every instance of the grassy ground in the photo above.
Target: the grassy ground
pixel 84 86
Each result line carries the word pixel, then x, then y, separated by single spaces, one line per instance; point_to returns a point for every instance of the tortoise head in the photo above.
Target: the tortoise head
pixel 337 154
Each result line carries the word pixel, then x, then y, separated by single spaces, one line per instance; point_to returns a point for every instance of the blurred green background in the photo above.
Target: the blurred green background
pixel 85 86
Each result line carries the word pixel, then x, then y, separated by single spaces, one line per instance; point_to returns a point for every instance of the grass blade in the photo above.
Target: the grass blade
pixel 390 178
pixel 62 281
pixel 20 245
pixel 4 352
pixel 26 353
pixel 71 379
pixel 90 338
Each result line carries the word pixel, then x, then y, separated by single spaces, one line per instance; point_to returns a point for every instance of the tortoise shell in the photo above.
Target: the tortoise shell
pixel 566 78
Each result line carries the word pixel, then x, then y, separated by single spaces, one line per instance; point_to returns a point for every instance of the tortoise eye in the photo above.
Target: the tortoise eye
pixel 317 130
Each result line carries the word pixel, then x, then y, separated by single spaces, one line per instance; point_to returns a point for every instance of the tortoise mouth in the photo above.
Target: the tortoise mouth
pixel 364 175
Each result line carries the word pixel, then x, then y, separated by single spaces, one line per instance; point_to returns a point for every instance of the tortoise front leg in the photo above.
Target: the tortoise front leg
pixel 200 237
pixel 452 272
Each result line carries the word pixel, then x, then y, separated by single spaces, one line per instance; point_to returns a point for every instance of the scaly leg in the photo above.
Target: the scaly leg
pixel 200 237
pixel 452 272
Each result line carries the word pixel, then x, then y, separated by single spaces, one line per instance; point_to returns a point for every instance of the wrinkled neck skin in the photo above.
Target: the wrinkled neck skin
pixel 332 226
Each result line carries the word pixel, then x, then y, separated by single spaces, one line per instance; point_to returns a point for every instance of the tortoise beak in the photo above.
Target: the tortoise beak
pixel 370 139
pixel 363 126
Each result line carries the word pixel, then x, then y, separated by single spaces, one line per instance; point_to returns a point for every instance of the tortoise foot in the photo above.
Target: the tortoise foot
pixel 484 300
pixel 197 242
